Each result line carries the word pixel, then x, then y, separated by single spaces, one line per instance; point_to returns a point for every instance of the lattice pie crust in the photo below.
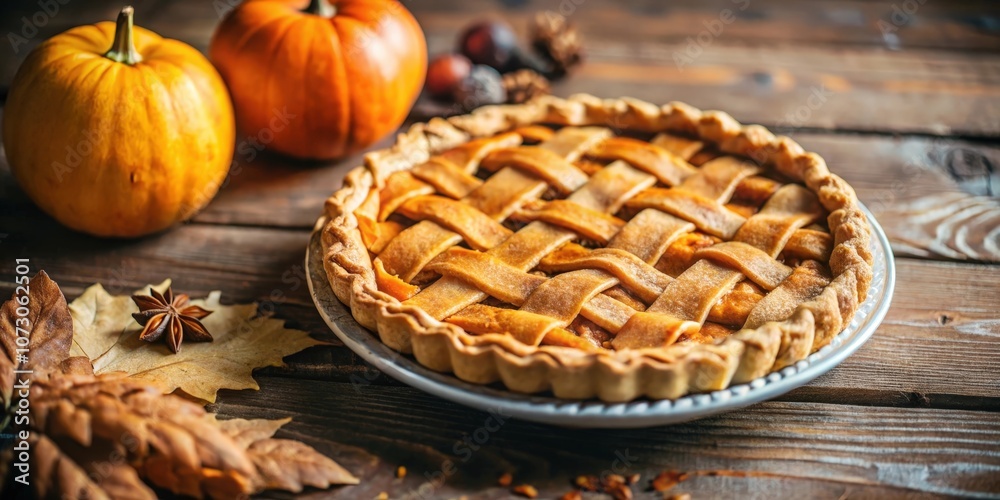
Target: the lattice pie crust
pixel 598 248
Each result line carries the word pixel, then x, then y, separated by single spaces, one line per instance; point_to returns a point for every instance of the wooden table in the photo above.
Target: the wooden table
pixel 903 100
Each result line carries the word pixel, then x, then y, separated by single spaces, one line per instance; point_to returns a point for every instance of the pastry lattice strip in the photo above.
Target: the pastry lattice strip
pixel 545 303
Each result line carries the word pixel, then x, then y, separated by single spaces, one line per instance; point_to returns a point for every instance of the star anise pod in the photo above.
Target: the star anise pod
pixel 165 314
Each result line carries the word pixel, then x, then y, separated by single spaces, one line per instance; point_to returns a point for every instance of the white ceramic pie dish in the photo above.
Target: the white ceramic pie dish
pixel 595 413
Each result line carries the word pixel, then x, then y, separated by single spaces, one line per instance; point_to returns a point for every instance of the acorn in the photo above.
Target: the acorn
pixel 445 73
pixel 494 44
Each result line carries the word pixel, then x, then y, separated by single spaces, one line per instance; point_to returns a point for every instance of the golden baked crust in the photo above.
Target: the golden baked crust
pixel 776 334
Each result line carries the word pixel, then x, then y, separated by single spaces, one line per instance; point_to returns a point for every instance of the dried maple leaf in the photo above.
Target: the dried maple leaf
pixel 291 465
pixel 45 327
pixel 281 463
pixel 100 319
pixel 243 342
pixel 247 432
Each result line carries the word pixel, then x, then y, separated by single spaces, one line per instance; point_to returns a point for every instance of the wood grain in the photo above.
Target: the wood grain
pixel 949 225
pixel 247 263
pixel 794 86
pixel 828 449
pixel 957 25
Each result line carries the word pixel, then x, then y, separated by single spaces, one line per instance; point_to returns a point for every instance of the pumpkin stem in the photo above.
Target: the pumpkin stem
pixel 123 48
pixel 321 8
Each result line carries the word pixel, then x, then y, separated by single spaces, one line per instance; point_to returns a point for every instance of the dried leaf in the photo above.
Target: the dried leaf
pixel 666 480
pixel 291 465
pixel 46 325
pixel 97 426
pixel 100 319
pixel 247 432
pixel 243 342
pixel 68 470
pixel 281 463
pixel 99 436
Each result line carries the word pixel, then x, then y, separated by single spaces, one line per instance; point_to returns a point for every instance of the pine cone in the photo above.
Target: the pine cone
pixel 524 85
pixel 556 39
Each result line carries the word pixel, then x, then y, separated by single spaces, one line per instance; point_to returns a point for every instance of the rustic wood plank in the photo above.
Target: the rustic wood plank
pixel 961 25
pixel 955 25
pixel 247 263
pixel 792 86
pixel 938 345
pixel 939 311
pixel 791 449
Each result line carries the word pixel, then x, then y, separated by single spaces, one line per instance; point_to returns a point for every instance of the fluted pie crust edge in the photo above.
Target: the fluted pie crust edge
pixel 614 376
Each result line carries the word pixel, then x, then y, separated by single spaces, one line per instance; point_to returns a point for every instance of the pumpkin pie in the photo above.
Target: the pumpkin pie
pixel 598 248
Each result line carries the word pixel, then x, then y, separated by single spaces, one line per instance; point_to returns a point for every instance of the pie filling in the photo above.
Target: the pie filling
pixel 582 238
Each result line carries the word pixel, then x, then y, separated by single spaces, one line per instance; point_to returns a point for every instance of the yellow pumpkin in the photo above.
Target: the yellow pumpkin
pixel 123 141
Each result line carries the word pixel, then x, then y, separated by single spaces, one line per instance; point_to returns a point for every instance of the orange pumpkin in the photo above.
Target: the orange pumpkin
pixel 120 142
pixel 322 82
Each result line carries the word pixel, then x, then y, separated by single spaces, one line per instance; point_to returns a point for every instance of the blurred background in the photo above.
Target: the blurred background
pixel 921 66
pixel 901 96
